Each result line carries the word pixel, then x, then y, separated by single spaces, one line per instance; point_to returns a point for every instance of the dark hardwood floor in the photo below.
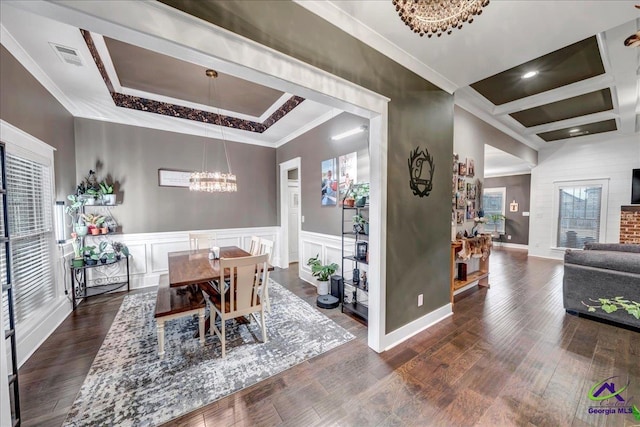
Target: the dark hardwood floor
pixel 508 356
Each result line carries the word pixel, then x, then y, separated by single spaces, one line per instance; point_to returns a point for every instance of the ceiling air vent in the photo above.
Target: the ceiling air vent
pixel 67 54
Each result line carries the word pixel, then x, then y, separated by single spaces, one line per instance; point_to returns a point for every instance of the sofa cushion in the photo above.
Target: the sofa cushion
pixel 620 247
pixel 628 262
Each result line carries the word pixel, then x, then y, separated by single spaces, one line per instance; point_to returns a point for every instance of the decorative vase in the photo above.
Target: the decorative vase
pixel 323 287
pixel 109 199
pixel 81 230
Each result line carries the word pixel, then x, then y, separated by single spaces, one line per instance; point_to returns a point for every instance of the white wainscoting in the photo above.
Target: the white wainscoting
pixel 149 251
pixel 329 248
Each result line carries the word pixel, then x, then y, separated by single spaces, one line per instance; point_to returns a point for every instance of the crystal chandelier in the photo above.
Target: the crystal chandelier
pixel 437 16
pixel 213 182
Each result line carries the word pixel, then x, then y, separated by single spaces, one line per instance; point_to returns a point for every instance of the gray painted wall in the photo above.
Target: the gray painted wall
pixel 291 29
pixel 131 156
pixel 313 147
pixel 27 105
pixel 518 188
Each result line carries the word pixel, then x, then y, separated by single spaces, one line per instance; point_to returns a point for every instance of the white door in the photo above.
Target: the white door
pixel 294 219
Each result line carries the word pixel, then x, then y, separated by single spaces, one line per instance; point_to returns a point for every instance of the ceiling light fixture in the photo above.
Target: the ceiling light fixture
pixel 349 133
pixel 574 130
pixel 213 182
pixel 529 74
pixel 577 132
pixel 437 16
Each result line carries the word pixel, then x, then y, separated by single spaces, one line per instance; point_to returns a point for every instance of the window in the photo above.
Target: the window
pixel 493 203
pixel 29 203
pixel 580 212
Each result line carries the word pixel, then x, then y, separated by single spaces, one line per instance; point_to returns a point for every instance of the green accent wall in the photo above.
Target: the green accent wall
pixel 420 114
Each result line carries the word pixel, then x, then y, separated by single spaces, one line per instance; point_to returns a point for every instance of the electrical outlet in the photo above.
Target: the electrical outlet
pixel 420 300
pixel 508 236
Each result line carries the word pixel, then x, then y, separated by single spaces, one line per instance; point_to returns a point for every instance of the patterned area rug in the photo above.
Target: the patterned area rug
pixel 128 385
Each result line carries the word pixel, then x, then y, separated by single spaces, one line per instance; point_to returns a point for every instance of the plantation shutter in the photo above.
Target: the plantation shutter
pixel 29 203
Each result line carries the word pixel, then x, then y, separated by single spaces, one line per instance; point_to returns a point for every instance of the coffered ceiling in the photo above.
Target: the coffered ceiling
pixel 586 85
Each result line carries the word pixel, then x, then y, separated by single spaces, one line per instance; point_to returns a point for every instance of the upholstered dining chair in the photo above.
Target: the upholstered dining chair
pixel 266 247
pixel 201 240
pixel 254 247
pixel 242 298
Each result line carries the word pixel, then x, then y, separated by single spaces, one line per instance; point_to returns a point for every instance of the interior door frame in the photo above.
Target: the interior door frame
pixel 295 183
pixel 285 167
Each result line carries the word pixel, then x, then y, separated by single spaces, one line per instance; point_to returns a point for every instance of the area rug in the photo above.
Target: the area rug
pixel 129 385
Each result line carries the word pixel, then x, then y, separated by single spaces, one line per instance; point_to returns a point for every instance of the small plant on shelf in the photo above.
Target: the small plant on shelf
pixel 76 241
pixel 94 221
pixel 360 224
pixel 73 210
pixel 91 257
pixel 361 194
pixel 120 249
pixel 108 195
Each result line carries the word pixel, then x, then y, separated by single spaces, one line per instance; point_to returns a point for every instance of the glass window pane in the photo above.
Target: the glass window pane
pixel 578 215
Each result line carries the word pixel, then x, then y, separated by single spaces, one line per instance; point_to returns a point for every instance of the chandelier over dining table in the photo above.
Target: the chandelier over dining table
pixel 437 16
pixel 213 182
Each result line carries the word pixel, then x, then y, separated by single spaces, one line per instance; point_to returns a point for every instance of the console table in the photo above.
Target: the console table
pixel 79 288
pixel 481 275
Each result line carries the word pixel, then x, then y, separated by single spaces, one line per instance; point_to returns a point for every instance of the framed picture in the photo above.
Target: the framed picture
pixel 471 210
pixel 461 201
pixel 456 160
pixel 461 184
pixel 471 191
pixel 462 169
pixel 329 191
pixel 470 167
pixel 348 169
pixel 173 178
pixel 459 216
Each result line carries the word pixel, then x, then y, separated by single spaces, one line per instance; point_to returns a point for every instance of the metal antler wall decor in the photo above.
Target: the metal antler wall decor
pixel 420 177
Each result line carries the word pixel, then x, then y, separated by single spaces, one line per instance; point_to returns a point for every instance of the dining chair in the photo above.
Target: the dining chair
pixel 201 240
pixel 242 297
pixel 173 303
pixel 254 247
pixel 266 247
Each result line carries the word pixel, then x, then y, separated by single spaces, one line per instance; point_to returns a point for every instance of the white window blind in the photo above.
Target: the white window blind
pixel 579 211
pixel 29 196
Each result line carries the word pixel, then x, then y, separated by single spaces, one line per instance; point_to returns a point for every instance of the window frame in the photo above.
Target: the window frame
pixel 604 201
pixel 490 225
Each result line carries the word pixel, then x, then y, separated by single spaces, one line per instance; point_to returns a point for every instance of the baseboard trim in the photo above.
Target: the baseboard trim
pixel 28 344
pixel 511 245
pixel 415 327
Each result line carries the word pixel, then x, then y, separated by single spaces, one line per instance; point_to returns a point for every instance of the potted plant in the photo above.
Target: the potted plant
pixel 360 224
pixel 104 254
pixel 77 261
pixel 88 189
pixel 495 220
pixel 361 194
pixel 94 221
pixel 119 249
pixel 322 273
pixel 90 255
pixel 73 210
pixel 107 193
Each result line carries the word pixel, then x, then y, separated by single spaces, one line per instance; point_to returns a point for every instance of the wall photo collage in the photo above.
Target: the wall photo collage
pixel 465 192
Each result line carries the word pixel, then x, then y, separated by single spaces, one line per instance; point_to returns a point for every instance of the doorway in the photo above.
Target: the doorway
pixel 293 197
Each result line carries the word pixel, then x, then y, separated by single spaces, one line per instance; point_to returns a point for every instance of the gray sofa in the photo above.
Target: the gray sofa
pixel 602 270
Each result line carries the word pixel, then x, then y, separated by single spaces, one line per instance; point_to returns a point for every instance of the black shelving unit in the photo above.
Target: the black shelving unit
pixel 9 334
pixel 354 307
pixel 79 288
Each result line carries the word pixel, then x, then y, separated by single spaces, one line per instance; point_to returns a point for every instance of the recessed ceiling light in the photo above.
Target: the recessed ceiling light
pixel 574 130
pixel 584 132
pixel 349 133
pixel 529 74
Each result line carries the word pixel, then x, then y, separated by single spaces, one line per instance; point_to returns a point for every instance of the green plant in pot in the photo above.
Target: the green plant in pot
pixel 73 210
pixel 120 249
pixel 360 224
pixel 76 241
pixel 91 257
pixel 108 196
pixel 495 219
pixel 361 194
pixel 322 273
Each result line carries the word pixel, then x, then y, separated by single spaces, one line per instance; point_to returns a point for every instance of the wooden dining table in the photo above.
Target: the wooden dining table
pixel 194 266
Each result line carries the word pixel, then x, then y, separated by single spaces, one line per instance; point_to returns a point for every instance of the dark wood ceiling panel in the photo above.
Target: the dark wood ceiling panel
pixel 578 131
pixel 593 102
pixel 568 65
pixel 152 72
